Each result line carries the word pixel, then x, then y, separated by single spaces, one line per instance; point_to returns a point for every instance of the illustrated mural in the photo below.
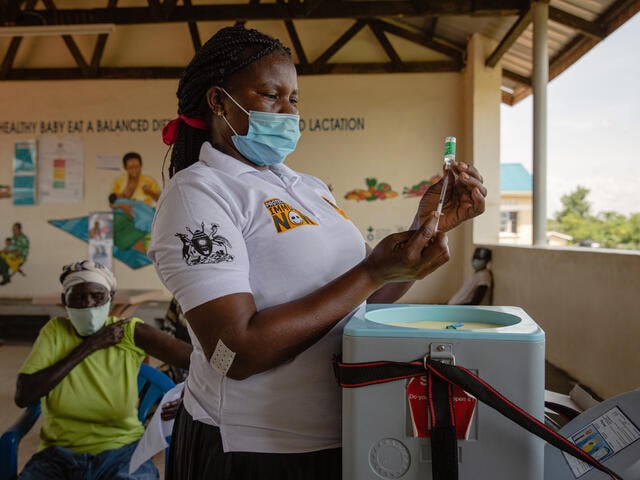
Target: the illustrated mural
pixel 383 191
pixel 419 189
pixel 374 191
pixel 132 201
pixel 14 254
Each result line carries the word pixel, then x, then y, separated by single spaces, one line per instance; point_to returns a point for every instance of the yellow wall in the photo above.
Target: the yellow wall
pixel 406 118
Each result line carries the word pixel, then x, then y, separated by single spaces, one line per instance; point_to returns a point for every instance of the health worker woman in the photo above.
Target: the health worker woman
pixel 267 268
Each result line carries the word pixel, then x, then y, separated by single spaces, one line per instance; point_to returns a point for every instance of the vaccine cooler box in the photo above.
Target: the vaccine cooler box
pixel 379 439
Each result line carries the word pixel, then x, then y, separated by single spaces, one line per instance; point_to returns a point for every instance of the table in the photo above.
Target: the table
pixel 124 303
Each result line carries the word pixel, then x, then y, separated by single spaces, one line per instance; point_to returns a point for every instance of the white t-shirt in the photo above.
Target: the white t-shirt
pixel 223 227
pixel 465 294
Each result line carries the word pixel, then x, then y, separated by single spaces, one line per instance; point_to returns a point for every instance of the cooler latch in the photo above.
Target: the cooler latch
pixel 442 352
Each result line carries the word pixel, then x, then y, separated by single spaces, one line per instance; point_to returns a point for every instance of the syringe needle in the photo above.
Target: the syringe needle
pixel 441 200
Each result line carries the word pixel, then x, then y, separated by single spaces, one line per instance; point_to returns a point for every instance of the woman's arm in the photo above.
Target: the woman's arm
pixel 260 340
pixel 163 346
pixel 31 387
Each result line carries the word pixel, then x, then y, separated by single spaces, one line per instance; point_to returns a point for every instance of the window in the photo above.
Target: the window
pixel 509 222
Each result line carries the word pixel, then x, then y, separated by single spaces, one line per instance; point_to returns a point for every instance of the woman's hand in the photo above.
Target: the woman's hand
pixel 108 335
pixel 410 255
pixel 464 198
pixel 170 409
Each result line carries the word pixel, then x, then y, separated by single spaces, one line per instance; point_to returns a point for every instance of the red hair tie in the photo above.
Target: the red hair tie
pixel 170 130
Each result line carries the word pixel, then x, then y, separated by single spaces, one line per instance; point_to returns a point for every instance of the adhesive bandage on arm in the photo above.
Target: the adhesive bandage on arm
pixel 222 358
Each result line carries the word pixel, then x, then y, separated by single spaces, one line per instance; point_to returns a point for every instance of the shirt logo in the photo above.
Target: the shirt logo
pixel 285 217
pixel 202 247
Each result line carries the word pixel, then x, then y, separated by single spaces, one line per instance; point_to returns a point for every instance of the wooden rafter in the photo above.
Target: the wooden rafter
pixel 9 57
pixel 101 42
pixel 395 59
pixel 591 29
pixel 510 38
pixel 275 11
pixel 340 42
pixel 588 36
pixel 383 17
pixel 297 44
pixel 193 30
pixel 71 44
pixel 76 54
pixel 111 73
pixel 12 10
pixel 421 38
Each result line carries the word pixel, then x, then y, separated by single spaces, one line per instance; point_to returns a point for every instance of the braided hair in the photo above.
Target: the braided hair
pixel 230 50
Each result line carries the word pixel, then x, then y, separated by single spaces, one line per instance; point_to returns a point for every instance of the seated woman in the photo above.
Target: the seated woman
pixel 85 368
pixel 478 288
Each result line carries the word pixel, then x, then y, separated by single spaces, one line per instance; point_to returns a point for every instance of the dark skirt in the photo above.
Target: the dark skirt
pixel 196 454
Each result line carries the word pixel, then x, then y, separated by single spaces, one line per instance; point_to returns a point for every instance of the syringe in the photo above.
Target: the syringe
pixel 449 158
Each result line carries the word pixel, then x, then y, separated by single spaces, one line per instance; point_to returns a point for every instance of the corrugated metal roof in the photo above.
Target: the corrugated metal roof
pixel 514 177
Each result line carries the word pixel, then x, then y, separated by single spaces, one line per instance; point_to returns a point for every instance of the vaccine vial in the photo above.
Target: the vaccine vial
pixel 449 151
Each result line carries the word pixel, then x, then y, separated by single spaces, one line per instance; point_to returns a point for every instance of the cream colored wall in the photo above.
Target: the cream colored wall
pixel 586 302
pixel 79 100
pixel 406 118
pixel 482 122
pixel 521 203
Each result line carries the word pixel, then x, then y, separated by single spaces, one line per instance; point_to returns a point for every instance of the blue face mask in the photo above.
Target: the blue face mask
pixel 270 138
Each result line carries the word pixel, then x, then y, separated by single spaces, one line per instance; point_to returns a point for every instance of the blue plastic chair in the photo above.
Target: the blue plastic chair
pixel 152 385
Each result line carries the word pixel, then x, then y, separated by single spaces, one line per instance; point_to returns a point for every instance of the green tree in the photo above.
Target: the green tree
pixel 575 203
pixel 610 229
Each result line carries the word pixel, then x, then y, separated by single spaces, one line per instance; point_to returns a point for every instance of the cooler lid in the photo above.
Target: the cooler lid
pixel 431 321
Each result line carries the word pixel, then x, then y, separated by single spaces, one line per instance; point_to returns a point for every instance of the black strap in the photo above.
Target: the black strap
pixel 352 375
pixel 444 443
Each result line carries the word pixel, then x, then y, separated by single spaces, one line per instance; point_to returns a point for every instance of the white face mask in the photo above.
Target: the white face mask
pixel 88 321
pixel 478 264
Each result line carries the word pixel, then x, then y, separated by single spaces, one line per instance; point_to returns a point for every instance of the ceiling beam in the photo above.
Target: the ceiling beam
pixel 615 16
pixel 196 40
pixel 516 77
pixel 591 29
pixel 9 57
pixel 509 39
pixel 297 44
pixel 101 42
pixel 340 42
pixel 416 35
pixel 395 59
pixel 70 43
pixel 176 72
pixel 619 13
pixel 76 54
pixel 272 11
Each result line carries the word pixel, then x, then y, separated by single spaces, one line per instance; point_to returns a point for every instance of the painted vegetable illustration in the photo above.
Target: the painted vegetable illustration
pixel 420 188
pixel 374 191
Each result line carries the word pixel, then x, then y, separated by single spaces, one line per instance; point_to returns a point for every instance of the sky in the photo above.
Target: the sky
pixel 593 136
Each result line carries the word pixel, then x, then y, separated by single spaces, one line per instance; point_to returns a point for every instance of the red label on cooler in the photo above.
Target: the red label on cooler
pixel 463 406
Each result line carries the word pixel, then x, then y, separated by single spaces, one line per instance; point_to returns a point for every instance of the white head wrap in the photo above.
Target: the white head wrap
pixel 87 271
